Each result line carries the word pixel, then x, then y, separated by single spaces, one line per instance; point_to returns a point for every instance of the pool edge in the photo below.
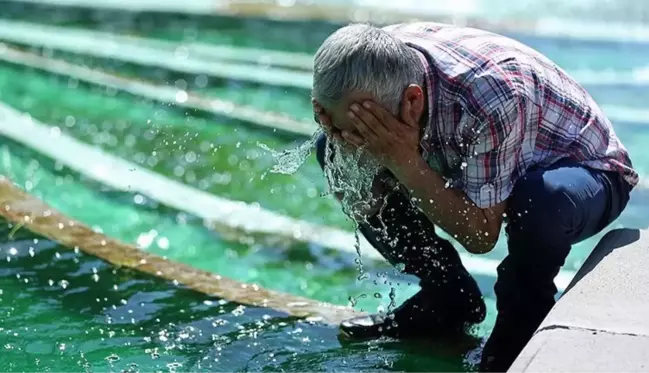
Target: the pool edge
pixel 602 314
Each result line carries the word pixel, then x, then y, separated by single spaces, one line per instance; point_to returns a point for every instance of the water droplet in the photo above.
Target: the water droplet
pixel 163 243
pixel 190 157
pixel 181 97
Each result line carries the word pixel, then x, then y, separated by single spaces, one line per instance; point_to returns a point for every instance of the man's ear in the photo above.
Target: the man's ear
pixel 414 102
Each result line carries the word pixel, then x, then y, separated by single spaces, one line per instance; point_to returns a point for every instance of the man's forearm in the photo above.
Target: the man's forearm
pixel 449 208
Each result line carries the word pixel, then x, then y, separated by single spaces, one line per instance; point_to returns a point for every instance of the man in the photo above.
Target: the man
pixel 477 131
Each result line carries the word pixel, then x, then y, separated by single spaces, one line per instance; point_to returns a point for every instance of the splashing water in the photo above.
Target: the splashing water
pixel 290 160
pixel 350 175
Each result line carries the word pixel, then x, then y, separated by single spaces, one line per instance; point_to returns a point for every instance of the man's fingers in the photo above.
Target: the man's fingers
pixel 359 126
pixel 353 138
pixel 379 119
pixel 377 111
pixel 364 121
pixel 365 115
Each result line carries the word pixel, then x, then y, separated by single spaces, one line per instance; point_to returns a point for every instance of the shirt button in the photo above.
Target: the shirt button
pixel 486 192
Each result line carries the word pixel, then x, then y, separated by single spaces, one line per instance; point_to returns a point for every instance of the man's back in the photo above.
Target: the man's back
pixel 472 71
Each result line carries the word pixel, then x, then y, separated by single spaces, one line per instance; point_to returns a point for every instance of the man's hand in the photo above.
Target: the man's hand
pixel 395 143
pixel 391 141
pixel 383 183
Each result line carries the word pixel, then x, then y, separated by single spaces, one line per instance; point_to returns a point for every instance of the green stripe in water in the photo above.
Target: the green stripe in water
pixel 217 155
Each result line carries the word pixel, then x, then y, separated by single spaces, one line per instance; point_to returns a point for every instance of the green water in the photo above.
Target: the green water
pixel 321 273
pixel 220 156
pixel 91 317
pixel 214 154
pixel 246 342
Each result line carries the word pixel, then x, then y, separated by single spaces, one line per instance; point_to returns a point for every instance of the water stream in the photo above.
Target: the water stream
pixel 351 175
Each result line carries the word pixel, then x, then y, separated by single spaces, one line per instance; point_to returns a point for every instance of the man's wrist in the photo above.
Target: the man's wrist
pixel 410 167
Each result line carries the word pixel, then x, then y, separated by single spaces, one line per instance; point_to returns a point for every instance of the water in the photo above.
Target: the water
pixel 161 323
pixel 289 161
pixel 222 157
pixel 352 176
pixel 149 325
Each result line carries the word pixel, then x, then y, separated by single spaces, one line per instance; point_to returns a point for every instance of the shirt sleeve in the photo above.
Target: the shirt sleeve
pixel 493 155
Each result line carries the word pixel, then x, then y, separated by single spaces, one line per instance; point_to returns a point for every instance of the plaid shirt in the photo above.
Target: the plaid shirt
pixel 497 108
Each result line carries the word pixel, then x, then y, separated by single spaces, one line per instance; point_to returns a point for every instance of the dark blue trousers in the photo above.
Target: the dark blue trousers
pixel 548 211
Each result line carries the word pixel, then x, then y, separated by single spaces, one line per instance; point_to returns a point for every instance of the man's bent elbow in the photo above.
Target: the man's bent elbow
pixel 487 234
pixel 484 242
pixel 482 246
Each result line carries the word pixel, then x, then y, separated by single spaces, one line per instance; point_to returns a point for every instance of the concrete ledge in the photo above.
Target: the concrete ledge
pixel 600 323
pixel 581 350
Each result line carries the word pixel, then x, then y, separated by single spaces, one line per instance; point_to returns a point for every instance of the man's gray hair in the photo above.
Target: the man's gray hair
pixel 361 57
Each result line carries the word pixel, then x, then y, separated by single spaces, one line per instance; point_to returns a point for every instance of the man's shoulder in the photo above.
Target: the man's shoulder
pixel 453 44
